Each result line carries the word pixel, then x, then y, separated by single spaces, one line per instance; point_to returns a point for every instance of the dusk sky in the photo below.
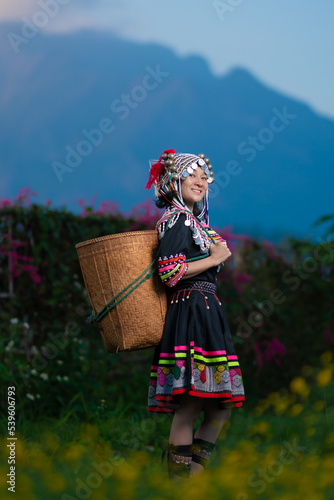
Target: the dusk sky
pixel 287 45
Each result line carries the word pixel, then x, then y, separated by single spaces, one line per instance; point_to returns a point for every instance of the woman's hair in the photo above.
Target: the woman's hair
pixel 166 200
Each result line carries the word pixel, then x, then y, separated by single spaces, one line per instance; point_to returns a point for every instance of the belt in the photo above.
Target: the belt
pixel 200 286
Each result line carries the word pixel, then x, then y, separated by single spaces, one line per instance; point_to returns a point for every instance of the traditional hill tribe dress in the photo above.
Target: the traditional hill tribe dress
pixel 196 354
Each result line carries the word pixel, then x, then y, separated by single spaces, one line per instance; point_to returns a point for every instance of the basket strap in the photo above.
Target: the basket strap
pixel 137 282
pixel 113 302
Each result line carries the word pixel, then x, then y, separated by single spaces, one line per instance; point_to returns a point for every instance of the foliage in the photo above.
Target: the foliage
pixel 278 302
pixel 285 445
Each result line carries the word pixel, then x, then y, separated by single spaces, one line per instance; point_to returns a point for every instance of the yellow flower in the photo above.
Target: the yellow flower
pixel 89 430
pixel 281 405
pixel 324 377
pixel 218 377
pixel 326 357
pixel 24 487
pixel 262 427
pixel 39 460
pixel 166 371
pixel 328 462
pixel 50 441
pixel 307 370
pixel 330 440
pixel 273 397
pixel 295 410
pixel 55 482
pixel 221 368
pixel 21 452
pixel 73 452
pixel 298 385
pixel 200 367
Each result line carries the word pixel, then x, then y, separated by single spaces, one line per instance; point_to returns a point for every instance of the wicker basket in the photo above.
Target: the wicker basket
pixel 109 264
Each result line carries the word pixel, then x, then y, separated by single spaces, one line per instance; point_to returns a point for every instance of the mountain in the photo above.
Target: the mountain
pixel 83 112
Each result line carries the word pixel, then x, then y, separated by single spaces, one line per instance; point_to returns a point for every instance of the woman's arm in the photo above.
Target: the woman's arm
pixel 218 254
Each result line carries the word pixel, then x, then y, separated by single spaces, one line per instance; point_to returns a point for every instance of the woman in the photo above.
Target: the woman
pixel 195 368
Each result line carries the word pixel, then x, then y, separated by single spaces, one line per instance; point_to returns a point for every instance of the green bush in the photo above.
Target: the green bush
pixel 278 302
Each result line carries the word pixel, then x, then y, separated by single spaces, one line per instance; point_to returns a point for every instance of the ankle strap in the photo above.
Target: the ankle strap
pixel 182 450
pixel 202 451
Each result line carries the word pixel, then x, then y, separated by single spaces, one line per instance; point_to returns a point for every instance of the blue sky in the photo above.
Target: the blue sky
pixel 286 44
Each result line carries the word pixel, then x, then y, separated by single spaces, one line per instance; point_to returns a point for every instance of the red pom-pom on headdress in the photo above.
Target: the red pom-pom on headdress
pixel 157 170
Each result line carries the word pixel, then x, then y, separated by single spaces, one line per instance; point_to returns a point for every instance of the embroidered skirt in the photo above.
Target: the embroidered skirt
pixel 196 354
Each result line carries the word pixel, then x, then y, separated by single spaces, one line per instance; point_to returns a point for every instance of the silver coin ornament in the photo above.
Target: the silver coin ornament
pixel 185 174
pixel 201 162
pixel 187 222
pixel 190 170
pixel 194 166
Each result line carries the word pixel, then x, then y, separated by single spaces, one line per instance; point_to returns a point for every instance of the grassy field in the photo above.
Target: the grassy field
pixel 281 447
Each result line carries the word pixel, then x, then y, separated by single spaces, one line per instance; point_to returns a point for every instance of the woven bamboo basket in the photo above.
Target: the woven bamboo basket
pixel 109 264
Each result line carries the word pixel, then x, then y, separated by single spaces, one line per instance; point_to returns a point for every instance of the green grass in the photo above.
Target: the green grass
pixel 283 444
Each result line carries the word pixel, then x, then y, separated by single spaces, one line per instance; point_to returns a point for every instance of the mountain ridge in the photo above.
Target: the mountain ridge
pixel 61 85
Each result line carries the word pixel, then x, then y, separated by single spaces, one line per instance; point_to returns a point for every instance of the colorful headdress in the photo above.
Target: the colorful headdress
pixel 167 173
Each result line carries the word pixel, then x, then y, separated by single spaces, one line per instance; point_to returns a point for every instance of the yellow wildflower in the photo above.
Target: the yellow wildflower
pixel 307 370
pixel 55 482
pixel 326 357
pixel 324 377
pixel 298 385
pixel 295 410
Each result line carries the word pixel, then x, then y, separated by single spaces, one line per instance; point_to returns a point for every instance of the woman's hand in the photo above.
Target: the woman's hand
pixel 219 252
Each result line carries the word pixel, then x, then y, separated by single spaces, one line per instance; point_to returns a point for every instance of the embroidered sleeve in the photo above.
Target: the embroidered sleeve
pixel 173 253
pixel 172 269
pixel 216 237
pixel 211 232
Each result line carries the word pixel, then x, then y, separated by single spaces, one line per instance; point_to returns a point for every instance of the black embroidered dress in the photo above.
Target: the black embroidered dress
pixel 196 354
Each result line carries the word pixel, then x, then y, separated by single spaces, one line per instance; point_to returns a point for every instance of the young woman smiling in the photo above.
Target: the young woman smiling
pixel 195 368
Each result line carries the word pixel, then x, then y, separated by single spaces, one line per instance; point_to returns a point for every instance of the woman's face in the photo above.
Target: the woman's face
pixel 194 187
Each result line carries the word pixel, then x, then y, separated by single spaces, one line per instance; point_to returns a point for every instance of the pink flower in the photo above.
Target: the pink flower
pixel 5 203
pixel 107 207
pixel 328 333
pixel 258 353
pixel 274 350
pixel 23 196
pixel 146 213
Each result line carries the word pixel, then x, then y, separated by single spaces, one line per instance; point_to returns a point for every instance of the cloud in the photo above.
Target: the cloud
pixel 10 10
pixel 72 14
